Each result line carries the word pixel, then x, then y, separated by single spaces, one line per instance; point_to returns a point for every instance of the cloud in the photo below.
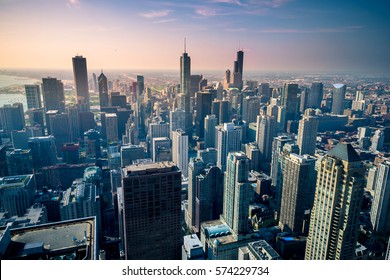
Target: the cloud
pixel 233 2
pixel 156 14
pixel 236 29
pixel 341 29
pixel 73 3
pixel 207 12
pixel 165 20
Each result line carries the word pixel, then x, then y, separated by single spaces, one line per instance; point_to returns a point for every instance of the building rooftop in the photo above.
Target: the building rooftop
pixel 344 151
pixel 72 239
pixel 15 181
pixel 150 168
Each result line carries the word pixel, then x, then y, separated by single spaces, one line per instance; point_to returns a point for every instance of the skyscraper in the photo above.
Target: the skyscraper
pixel 238 70
pixel 185 87
pixel 112 127
pixel 266 131
pixel 307 133
pixel 43 151
pixel 228 140
pixel 380 209
pixel 152 214
pixel 377 141
pixel 161 149
pixel 210 122
pixel 140 85
pixel 253 153
pixel 290 100
pixel 315 95
pixel 74 121
pixel 33 96
pixel 180 151
pixel 250 108
pixel 103 90
pixel 130 153
pixel 238 193
pixel 60 129
pixel 203 108
pixel 81 81
pixel 19 162
pixel 298 190
pixel 334 218
pixel 176 121
pixel 338 97
pixel 277 148
pixel 53 94
pixel 12 117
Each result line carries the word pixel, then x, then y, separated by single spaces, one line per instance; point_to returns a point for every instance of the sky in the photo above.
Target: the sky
pixel 275 35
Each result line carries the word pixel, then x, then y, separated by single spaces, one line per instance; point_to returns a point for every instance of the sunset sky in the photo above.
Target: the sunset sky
pixel 275 34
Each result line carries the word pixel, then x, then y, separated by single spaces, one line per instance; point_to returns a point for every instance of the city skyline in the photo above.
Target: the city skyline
pixel 274 34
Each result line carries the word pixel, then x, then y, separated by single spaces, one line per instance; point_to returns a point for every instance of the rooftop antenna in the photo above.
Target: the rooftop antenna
pixel 185 45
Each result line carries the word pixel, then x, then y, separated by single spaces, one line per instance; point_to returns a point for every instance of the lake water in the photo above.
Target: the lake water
pixel 6 81
pixel 12 81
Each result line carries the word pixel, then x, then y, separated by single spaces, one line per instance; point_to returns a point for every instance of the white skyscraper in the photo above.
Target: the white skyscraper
pixel 334 218
pixel 307 133
pixel 228 140
pixel 377 141
pixel 266 130
pixel 180 151
pixel 380 209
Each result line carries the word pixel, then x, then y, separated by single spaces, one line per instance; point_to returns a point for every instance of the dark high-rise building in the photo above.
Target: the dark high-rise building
pixel 152 214
pixel 81 81
pixel 238 70
pixel 94 83
pixel 290 100
pixel 338 97
pixel 86 121
pixel 195 84
pixel 140 85
pixel 131 153
pixel 203 108
pixel 103 90
pixel 315 95
pixel 298 191
pixel 59 125
pixel 37 117
pixel 33 96
pixel 12 117
pixel 43 151
pixel 224 111
pixel 118 101
pixel 215 105
pixel 334 220
pixel 74 121
pixel 92 143
pixel 70 153
pixel 205 190
pixel 185 88
pixel 19 162
pixel 3 161
pixel 53 94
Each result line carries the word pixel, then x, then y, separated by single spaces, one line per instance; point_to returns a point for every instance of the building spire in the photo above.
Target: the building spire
pixel 185 45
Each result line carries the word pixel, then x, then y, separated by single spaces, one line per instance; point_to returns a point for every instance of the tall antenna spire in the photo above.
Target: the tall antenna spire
pixel 185 45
